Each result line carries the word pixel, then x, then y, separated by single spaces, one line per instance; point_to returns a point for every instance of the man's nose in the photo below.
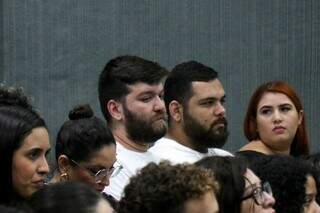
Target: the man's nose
pixel 159 104
pixel 220 109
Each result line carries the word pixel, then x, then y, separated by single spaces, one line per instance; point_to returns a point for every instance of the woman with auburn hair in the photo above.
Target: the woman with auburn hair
pixel 275 122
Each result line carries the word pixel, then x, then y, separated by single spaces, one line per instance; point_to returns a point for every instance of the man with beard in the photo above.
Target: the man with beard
pixel 131 100
pixel 197 124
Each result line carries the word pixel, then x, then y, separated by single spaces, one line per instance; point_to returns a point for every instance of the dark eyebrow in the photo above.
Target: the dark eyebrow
pixel 285 104
pixel 213 98
pixel 252 185
pixel 208 99
pixel 281 105
pixel 148 93
pixel 145 92
pixel 35 149
pixel 266 106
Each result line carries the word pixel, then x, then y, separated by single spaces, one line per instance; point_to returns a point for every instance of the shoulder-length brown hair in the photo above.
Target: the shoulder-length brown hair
pixel 300 143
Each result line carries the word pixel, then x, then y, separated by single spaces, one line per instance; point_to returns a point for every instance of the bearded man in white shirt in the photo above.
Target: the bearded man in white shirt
pixel 131 100
pixel 197 124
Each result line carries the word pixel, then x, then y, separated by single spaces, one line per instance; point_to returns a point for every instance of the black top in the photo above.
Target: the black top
pixel 250 156
pixel 112 201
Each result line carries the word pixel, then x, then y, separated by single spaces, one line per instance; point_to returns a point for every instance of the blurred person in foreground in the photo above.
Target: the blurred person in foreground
pixel 181 188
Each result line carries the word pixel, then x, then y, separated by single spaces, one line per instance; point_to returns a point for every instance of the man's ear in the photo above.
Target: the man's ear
pixel 115 109
pixel 175 111
pixel 63 163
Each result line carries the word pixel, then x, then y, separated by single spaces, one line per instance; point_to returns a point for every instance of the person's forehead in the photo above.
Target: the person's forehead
pixel 37 138
pixel 310 184
pixel 254 180
pixel 211 88
pixel 105 153
pixel 205 203
pixel 139 88
pixel 274 97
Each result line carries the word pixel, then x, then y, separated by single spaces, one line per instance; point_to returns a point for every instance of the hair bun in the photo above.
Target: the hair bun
pixel 12 96
pixel 81 111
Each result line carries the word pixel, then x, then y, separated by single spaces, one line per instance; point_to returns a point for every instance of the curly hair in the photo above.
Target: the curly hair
pixel 165 188
pixel 314 161
pixel 287 176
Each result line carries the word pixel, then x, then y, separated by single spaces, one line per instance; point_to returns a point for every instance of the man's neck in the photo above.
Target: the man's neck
pixel 177 134
pixel 122 138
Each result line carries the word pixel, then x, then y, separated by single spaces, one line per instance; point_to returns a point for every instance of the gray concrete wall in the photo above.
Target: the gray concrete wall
pixel 56 49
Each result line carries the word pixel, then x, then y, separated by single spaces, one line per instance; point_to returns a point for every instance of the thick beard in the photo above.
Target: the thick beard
pixel 203 138
pixel 142 130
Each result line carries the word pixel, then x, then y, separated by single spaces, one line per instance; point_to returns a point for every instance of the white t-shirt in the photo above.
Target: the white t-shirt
pixel 168 149
pixel 131 161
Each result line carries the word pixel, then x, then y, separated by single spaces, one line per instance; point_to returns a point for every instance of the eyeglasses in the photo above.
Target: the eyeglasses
pixel 102 173
pixel 258 193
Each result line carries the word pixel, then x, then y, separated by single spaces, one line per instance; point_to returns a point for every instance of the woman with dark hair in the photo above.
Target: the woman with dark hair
pixel 314 161
pixel 293 183
pixel 85 150
pixel 275 122
pixel 241 191
pixel 69 197
pixel 24 144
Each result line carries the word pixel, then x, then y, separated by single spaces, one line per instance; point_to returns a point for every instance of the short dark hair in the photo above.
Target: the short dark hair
pixel 67 197
pixel 287 176
pixel 122 71
pixel 166 188
pixel 229 172
pixel 82 135
pixel 178 85
pixel 17 120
